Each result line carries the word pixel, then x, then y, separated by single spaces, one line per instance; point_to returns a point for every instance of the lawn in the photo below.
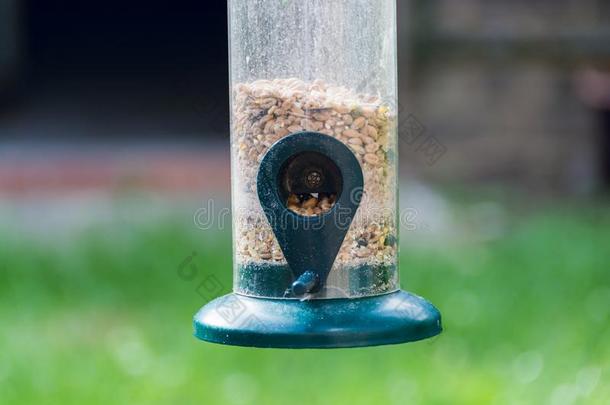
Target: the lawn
pixel 105 317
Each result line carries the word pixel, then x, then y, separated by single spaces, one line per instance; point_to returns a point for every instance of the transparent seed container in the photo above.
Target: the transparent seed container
pixel 324 67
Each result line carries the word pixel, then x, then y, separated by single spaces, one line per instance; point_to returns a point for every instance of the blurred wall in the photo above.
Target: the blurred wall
pixel 120 70
pixel 494 81
pixel 487 88
pixel 9 45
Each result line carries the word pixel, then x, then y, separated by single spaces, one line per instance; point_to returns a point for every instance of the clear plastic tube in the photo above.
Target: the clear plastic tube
pixel 327 66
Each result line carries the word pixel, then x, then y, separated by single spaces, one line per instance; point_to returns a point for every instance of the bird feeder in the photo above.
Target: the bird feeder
pixel 314 180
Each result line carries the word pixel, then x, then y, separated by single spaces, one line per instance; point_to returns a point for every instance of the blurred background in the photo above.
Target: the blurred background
pixel 114 155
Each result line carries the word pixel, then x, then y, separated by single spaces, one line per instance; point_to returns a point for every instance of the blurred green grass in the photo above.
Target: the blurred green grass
pixel 106 318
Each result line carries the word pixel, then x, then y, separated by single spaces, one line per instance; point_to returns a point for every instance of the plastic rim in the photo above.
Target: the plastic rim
pixel 393 318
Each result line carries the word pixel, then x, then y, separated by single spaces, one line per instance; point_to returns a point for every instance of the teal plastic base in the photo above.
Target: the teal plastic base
pixel 392 318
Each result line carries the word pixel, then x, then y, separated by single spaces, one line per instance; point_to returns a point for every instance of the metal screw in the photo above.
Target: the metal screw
pixel 313 179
